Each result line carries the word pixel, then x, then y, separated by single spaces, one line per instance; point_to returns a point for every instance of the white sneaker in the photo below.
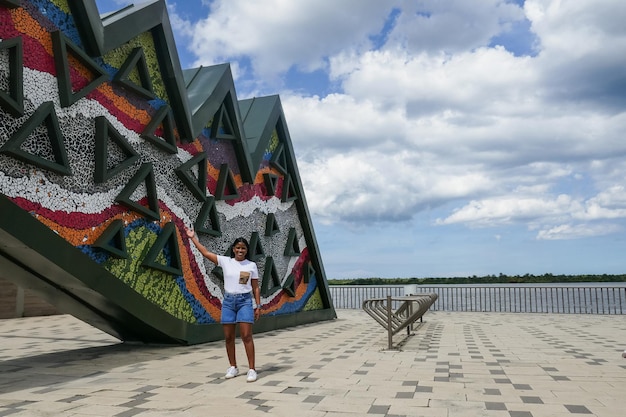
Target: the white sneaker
pixel 232 372
pixel 251 375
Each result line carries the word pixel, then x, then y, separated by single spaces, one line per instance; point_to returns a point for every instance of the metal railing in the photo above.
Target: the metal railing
pixel 516 298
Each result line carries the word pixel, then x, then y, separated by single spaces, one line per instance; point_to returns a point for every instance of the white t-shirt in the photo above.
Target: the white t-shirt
pixel 238 276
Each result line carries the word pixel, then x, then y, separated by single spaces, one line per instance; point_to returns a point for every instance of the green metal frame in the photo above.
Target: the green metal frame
pixel 104 132
pixel 161 117
pixel 113 241
pixel 13 100
pixel 271 225
pixel 10 3
pixel 211 92
pixel 290 285
pixel 256 252
pixel 291 246
pixel 44 114
pixel 208 212
pixel 136 60
pixel 289 190
pixel 145 174
pixel 271 182
pixel 197 186
pixel 226 188
pixel 270 283
pixel 60 45
pixel 168 238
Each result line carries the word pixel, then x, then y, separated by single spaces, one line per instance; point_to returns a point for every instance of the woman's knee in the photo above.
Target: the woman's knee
pixel 229 333
pixel 246 338
pixel 245 332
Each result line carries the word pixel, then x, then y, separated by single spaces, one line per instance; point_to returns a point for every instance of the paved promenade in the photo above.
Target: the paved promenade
pixel 456 364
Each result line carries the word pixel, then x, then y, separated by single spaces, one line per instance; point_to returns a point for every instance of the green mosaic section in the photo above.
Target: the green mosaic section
pixel 156 286
pixel 118 56
pixel 315 302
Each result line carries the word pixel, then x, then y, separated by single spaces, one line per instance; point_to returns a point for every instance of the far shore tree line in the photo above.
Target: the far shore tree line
pixel 488 279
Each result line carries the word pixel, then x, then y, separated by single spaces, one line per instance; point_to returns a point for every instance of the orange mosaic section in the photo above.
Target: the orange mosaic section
pixel 25 24
pixel 191 284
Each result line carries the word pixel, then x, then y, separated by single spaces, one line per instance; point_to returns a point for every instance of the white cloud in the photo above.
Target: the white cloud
pixel 436 116
pixel 373 186
pixel 276 34
pixel 608 204
pixel 452 26
pixel 568 231
pixel 505 210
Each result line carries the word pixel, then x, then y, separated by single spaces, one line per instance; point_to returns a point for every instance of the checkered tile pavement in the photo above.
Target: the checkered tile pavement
pixel 454 364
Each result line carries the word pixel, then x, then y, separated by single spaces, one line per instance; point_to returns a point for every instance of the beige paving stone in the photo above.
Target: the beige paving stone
pixel 339 405
pixel 101 400
pixel 416 410
pixel 343 365
pixel 146 413
pixel 53 408
pixel 97 410
pixel 403 402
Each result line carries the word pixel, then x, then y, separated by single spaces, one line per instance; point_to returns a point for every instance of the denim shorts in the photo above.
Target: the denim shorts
pixel 237 308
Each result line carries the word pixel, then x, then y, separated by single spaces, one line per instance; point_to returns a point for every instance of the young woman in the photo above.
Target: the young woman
pixel 241 284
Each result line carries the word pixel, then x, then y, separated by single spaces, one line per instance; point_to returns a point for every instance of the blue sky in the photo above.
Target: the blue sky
pixel 440 139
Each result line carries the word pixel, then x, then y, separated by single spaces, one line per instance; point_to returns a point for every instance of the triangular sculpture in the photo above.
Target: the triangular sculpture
pixel 208 212
pixel 113 241
pixel 289 190
pixel 309 272
pixel 13 99
pixel 271 182
pixel 291 247
pixel 290 285
pixel 104 132
pixel 226 188
pixel 167 241
pixel 163 117
pixel 197 186
pixel 60 45
pixel 271 225
pixel 271 280
pixel 44 114
pixel 145 174
pixel 279 159
pixel 136 61
pixel 223 129
pixel 127 122
pixel 256 251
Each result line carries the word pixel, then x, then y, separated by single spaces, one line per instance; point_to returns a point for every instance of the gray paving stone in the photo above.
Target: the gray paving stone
pixel 534 365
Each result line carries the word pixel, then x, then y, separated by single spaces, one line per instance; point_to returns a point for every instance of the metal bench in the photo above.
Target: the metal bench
pixel 411 308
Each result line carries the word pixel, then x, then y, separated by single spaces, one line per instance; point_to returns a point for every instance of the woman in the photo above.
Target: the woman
pixel 241 280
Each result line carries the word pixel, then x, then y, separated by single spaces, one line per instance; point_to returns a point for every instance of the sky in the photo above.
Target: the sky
pixel 439 138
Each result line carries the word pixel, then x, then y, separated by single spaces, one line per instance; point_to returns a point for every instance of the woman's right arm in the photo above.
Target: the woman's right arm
pixel 204 251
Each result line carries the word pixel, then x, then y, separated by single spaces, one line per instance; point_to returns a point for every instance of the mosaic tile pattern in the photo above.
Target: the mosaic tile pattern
pixel 97 143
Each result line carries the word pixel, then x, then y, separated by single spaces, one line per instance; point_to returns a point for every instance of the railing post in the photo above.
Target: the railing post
pixel 389 331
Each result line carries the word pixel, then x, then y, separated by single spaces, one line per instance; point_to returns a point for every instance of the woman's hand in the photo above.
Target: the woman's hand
pixel 190 233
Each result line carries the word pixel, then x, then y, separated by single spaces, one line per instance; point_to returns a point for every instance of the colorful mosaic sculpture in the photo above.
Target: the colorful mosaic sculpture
pixel 108 149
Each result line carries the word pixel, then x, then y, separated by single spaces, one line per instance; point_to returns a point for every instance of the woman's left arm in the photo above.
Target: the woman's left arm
pixel 256 293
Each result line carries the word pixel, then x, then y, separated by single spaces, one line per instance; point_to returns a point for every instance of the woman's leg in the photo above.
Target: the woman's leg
pixel 229 338
pixel 245 331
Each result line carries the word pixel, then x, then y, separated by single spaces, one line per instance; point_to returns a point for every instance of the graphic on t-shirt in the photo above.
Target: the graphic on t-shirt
pixel 244 276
